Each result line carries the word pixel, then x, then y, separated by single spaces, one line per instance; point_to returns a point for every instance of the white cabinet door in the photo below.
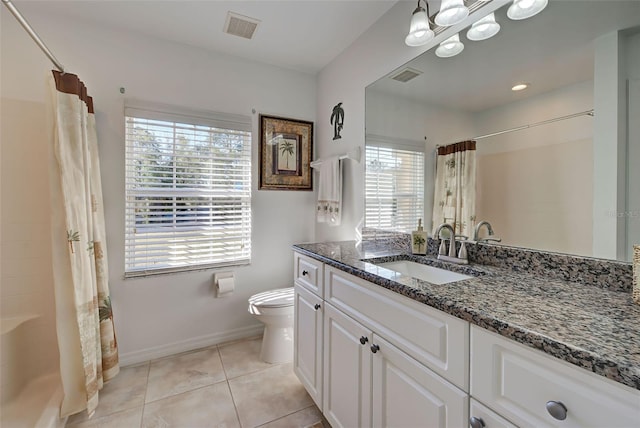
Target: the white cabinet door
pixel 407 394
pixel 482 416
pixel 519 383
pixel 347 371
pixel 307 336
pixel 437 340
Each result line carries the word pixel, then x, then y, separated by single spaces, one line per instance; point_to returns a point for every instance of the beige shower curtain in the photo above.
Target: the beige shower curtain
pixel 84 321
pixel 455 187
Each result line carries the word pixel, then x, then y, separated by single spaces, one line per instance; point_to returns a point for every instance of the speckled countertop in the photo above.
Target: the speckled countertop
pixel 592 327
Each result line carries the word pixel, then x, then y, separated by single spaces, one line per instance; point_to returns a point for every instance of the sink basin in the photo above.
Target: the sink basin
pixel 425 272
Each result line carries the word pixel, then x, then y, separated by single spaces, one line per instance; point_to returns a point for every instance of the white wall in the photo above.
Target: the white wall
pixel 26 284
pixel 169 313
pixel 375 53
pixel 397 117
pixel 632 213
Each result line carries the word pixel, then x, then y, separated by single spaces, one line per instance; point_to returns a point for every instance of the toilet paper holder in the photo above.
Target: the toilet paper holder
pixel 217 277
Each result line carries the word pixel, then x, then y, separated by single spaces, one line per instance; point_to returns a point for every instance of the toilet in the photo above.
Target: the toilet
pixel 274 308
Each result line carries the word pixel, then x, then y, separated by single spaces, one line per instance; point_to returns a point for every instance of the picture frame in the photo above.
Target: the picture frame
pixel 286 148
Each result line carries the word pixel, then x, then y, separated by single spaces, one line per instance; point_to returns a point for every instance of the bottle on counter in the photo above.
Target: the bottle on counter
pixel 419 240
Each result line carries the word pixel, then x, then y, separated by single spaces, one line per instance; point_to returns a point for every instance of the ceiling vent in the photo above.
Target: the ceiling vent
pixel 241 26
pixel 406 74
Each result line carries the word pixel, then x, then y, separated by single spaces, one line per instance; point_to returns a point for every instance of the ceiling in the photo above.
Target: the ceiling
pixel 303 35
pixel 550 50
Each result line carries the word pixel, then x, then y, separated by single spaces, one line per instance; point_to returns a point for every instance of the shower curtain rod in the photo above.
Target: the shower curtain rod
pixel 531 125
pixel 16 13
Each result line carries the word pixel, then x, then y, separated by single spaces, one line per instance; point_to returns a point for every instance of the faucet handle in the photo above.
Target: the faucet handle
pixel 490 239
pixel 462 254
pixel 462 237
pixel 443 248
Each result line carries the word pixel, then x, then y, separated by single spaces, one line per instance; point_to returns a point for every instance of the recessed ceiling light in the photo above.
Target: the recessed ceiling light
pixel 520 87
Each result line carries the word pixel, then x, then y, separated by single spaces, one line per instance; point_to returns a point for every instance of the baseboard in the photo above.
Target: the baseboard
pixel 135 357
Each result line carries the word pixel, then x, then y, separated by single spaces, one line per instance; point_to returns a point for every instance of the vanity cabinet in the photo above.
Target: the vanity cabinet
pixel 532 389
pixel 308 272
pixel 483 417
pixel 370 382
pixel 307 337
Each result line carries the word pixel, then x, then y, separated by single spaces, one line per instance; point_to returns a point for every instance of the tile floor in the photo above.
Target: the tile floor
pixel 221 386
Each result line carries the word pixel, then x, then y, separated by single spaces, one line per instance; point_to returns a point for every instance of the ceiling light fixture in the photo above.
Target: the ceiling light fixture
pixel 451 12
pixel 484 28
pixel 520 87
pixel 450 47
pixel 523 9
pixel 420 32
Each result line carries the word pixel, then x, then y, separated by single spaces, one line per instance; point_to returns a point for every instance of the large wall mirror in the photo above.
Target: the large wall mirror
pixel 571 182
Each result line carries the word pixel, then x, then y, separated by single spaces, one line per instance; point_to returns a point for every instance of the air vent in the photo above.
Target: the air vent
pixel 241 26
pixel 406 74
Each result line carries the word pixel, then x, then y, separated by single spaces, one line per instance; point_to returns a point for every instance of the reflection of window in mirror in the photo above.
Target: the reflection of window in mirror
pixel 394 186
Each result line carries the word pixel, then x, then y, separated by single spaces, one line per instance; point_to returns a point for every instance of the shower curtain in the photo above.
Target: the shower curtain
pixel 455 187
pixel 84 321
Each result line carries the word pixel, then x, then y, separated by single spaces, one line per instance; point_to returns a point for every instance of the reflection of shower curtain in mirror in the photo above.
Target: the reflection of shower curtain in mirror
pixel 455 188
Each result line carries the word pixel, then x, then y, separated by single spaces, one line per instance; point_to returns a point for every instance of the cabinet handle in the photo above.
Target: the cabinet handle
pixel 305 273
pixel 557 410
pixel 363 340
pixel 317 306
pixel 375 348
pixel 476 422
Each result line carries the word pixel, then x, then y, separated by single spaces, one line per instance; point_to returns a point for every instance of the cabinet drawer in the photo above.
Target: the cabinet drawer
pixel 488 418
pixel 308 272
pixel 435 339
pixel 518 382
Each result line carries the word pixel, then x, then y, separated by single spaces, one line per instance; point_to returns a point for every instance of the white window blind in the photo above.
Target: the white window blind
pixel 394 188
pixel 188 191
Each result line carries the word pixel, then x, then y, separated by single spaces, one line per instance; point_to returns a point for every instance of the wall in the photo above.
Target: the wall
pixel 397 117
pixel 632 213
pixel 375 53
pixel 535 185
pixel 160 315
pixel 26 286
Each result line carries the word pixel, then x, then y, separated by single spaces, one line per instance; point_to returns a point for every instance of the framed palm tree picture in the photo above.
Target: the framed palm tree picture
pixel 286 148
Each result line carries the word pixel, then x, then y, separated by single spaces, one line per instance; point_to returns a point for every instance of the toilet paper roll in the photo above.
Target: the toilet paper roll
pixel 225 285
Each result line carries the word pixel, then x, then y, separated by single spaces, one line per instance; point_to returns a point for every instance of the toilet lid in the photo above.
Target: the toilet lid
pixel 277 298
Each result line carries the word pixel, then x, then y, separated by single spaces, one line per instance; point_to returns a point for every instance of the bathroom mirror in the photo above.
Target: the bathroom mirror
pixel 570 185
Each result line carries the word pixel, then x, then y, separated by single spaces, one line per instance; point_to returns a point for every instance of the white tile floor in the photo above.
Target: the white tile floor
pixel 220 386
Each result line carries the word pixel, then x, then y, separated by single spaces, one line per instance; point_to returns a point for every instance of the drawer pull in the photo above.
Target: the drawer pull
pixel 375 348
pixel 317 306
pixel 476 422
pixel 305 273
pixel 557 410
pixel 363 340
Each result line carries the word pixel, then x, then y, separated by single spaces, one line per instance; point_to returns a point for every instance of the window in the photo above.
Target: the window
pixel 394 186
pixel 188 191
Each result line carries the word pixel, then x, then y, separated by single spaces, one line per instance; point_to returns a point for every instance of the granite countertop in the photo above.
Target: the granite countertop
pixel 588 326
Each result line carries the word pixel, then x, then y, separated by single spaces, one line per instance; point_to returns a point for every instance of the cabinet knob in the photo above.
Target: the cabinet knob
pixel 557 410
pixel 305 273
pixel 317 306
pixel 363 340
pixel 375 348
pixel 476 422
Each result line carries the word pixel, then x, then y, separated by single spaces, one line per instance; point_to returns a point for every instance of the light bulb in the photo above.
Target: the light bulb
pixel 451 13
pixel 523 9
pixel 450 47
pixel 484 28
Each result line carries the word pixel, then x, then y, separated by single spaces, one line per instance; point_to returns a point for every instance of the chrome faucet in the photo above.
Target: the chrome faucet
pixel 489 238
pixel 462 257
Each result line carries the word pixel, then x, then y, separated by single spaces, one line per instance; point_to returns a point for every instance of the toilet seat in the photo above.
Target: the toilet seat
pixel 278 298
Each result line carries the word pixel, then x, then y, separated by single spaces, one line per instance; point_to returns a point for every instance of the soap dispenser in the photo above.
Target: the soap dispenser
pixel 419 240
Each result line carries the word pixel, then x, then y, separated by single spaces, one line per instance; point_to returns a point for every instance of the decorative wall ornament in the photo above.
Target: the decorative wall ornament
pixel 337 120
pixel 286 146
